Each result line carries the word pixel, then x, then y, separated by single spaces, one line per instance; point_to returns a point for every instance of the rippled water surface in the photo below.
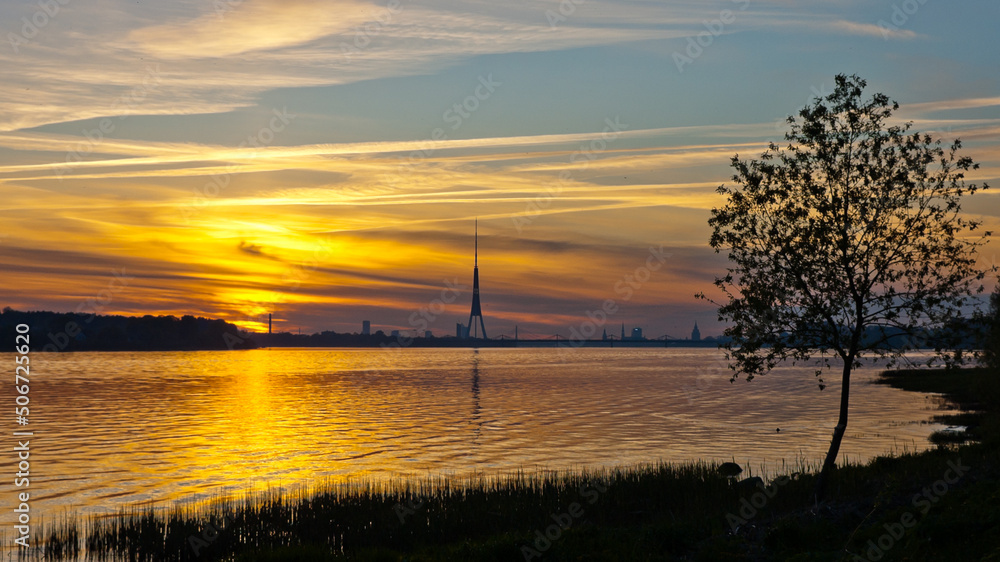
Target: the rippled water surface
pixel 112 428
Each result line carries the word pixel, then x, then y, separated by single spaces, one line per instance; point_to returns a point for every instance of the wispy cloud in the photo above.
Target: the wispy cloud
pixel 244 27
pixel 373 228
pixel 872 30
pixel 215 62
pixel 950 104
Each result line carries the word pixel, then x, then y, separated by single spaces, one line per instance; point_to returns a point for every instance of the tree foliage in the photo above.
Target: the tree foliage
pixel 855 224
pixel 854 227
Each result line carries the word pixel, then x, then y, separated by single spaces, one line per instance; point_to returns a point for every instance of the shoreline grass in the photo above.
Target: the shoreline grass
pixel 647 512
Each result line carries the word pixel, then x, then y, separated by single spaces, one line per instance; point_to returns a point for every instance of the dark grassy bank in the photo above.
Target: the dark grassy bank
pixel 942 504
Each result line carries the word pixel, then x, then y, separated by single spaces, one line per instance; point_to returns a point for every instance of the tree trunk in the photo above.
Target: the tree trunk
pixel 838 433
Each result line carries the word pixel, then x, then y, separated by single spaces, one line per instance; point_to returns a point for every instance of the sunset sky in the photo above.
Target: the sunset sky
pixel 326 161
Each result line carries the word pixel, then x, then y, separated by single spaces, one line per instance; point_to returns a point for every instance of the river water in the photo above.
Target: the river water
pixel 117 428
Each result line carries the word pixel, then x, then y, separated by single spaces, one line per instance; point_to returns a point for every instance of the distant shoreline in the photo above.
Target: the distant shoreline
pixel 394 342
pixel 70 332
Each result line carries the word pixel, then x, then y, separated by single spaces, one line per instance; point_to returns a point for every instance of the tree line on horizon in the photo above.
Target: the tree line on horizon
pixel 58 331
pixel 69 331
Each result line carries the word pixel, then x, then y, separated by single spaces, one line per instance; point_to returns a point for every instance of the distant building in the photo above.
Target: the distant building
pixel 461 331
pixel 428 334
pixel 394 333
pixel 623 331
pixel 366 328
pixel 604 336
pixel 637 334
pixel 695 333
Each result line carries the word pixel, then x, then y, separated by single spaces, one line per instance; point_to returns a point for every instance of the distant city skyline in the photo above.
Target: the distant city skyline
pixel 322 162
pixel 442 332
pixel 636 332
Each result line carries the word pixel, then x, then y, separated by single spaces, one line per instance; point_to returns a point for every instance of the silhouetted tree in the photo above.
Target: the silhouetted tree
pixel 855 224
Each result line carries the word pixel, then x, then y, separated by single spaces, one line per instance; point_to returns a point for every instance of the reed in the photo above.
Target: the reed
pixel 340 518
pixel 401 514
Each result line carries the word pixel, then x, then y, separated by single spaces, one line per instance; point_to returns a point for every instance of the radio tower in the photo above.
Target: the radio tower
pixel 477 311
